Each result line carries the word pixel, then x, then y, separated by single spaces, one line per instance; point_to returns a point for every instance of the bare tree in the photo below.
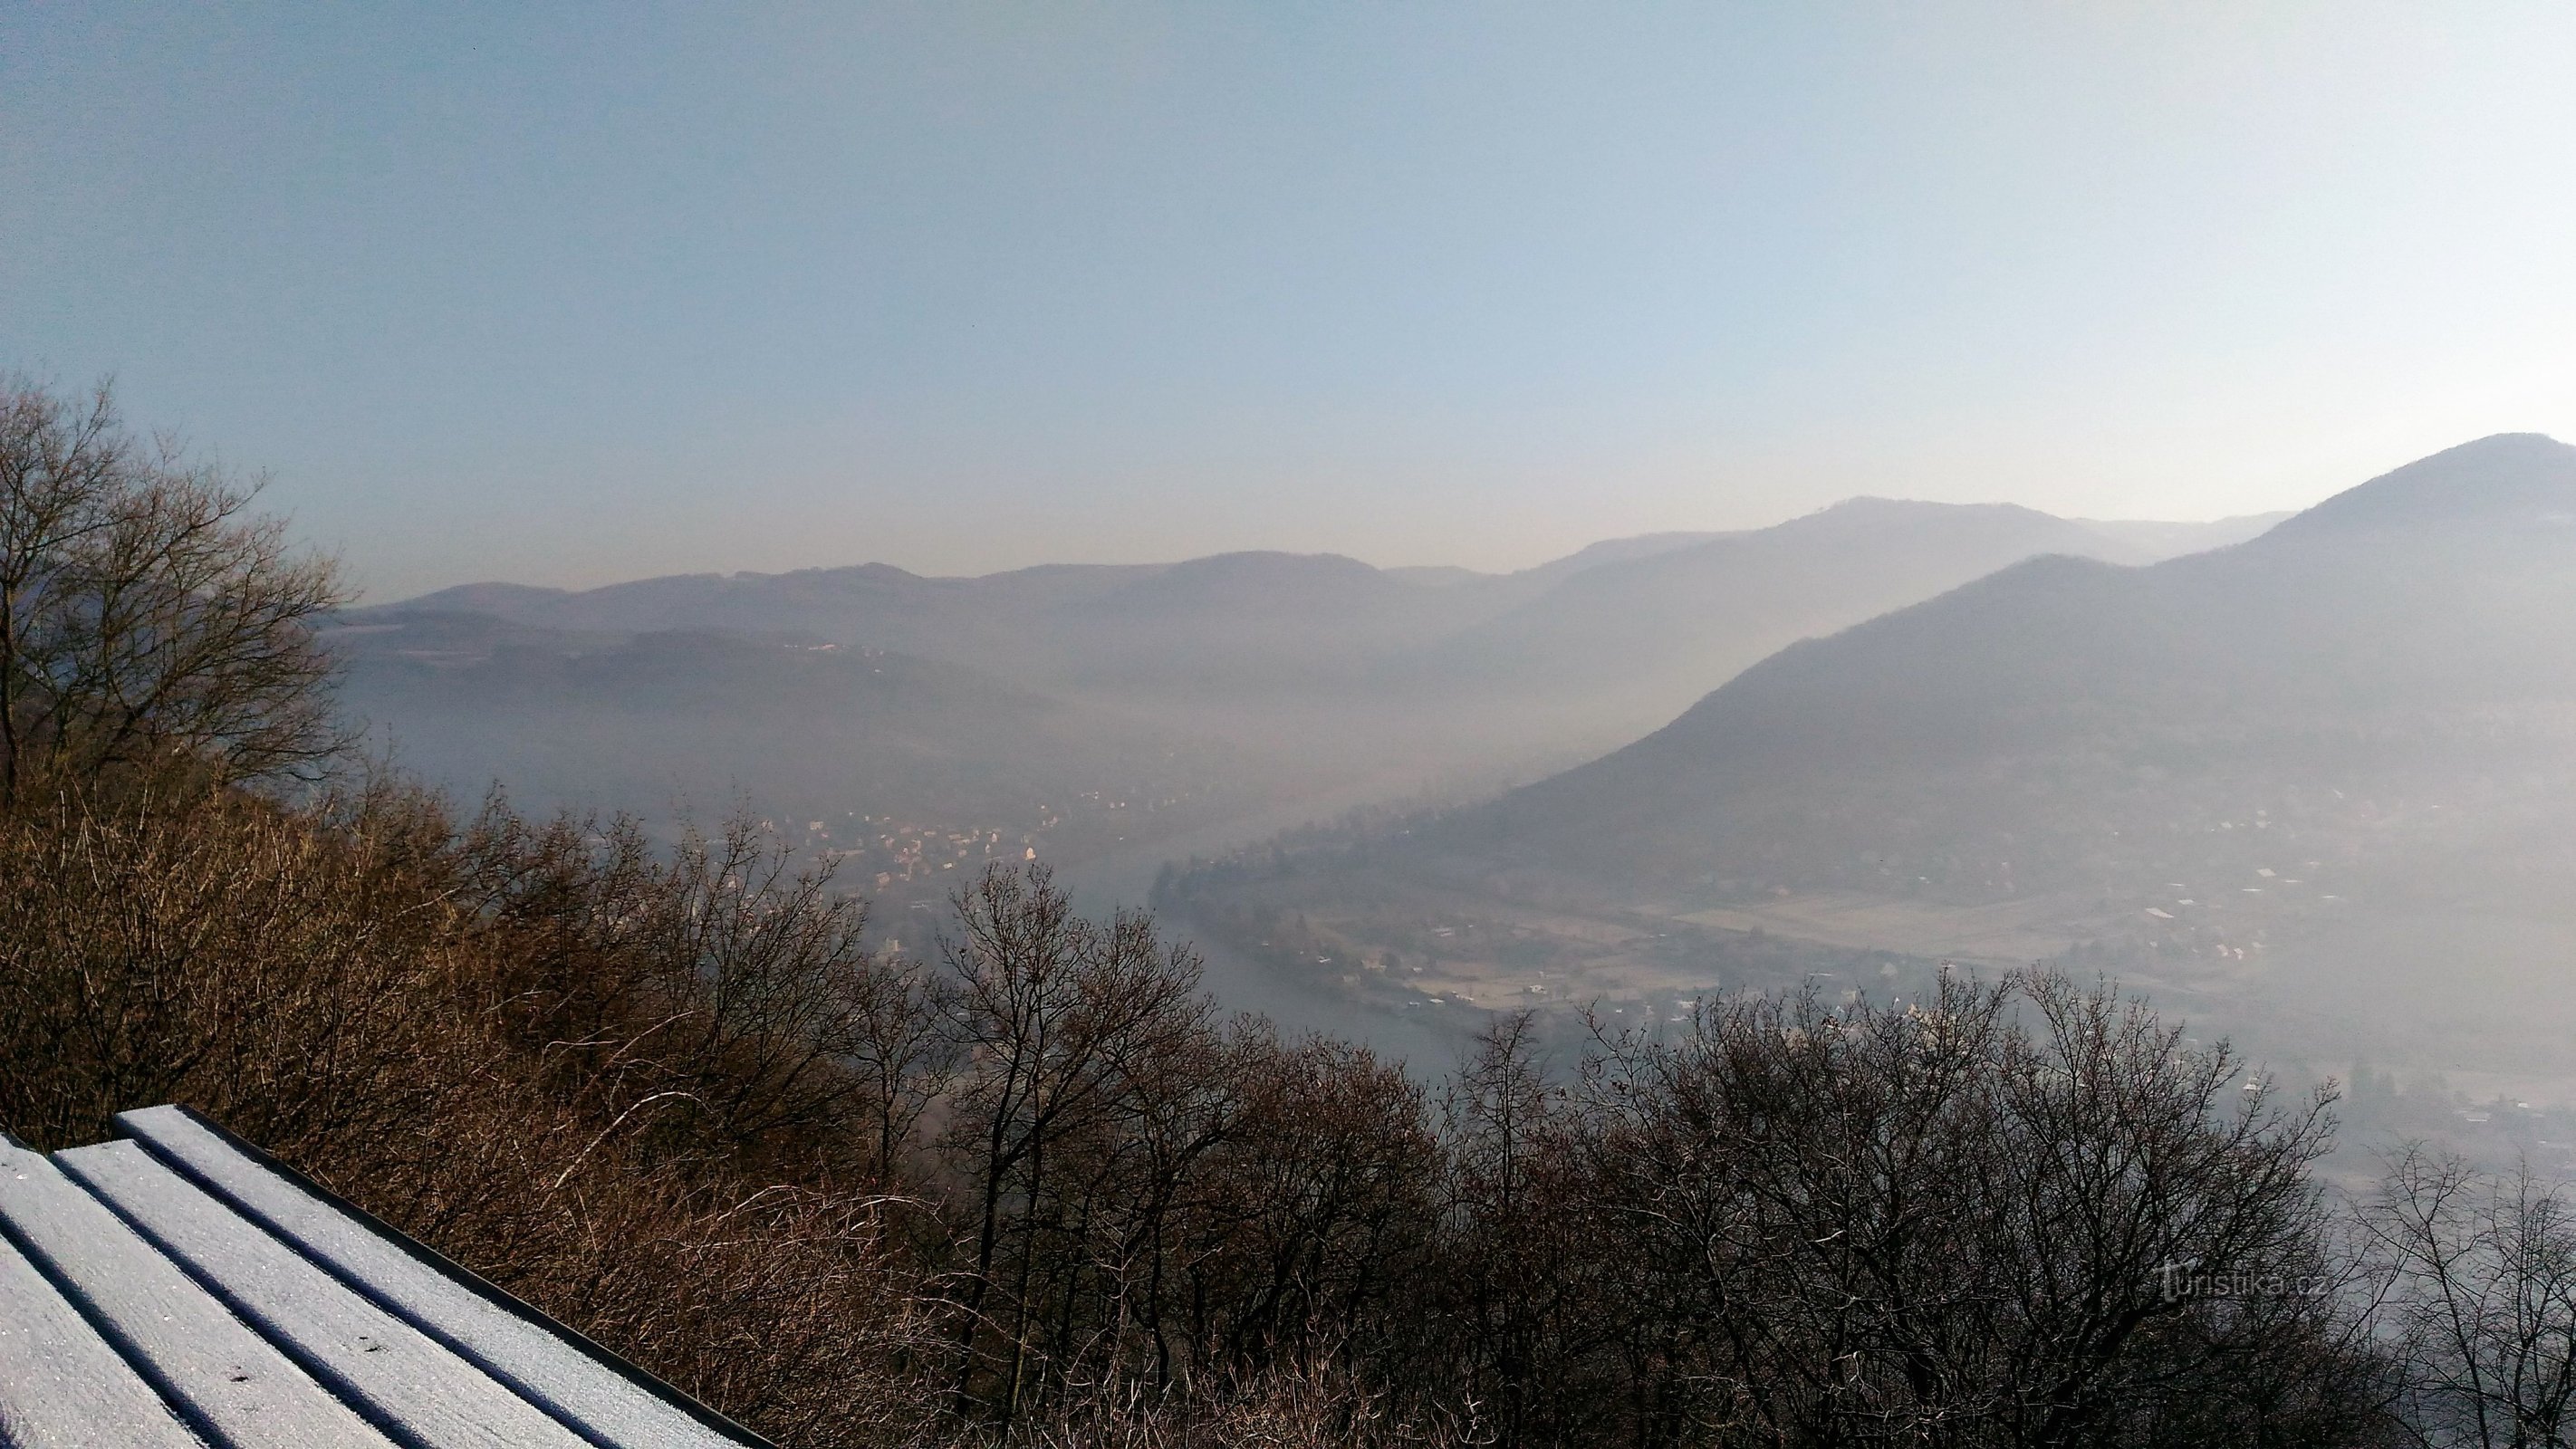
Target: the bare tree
pixel 713 995
pixel 1520 1261
pixel 2021 1214
pixel 1318 1216
pixel 147 615
pixel 2477 1275
pixel 1059 1018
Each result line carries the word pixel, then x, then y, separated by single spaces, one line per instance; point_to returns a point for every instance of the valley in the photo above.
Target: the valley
pixel 2288 783
pixel 2308 792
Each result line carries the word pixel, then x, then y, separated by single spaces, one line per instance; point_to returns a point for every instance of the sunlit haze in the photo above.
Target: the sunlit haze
pixel 567 294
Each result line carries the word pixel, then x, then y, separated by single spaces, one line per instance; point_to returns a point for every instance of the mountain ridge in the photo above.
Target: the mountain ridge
pixel 517 601
pixel 2187 634
pixel 2311 786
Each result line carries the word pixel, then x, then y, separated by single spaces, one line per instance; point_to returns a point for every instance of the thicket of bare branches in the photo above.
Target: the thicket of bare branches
pixel 1146 1195
pixel 1038 1189
pixel 288 977
pixel 375 993
pixel 147 616
pixel 1980 1220
pixel 2475 1273
pixel 1310 1401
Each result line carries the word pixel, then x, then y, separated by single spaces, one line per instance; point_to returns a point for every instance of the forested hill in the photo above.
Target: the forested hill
pixel 2062 713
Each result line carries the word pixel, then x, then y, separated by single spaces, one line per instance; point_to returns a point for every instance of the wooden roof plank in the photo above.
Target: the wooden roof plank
pixel 61 1385
pixel 189 1347
pixel 415 1389
pixel 580 1383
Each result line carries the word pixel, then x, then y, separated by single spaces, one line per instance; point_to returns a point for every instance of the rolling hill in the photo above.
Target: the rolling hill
pixel 1638 638
pixel 2040 709
pixel 1323 666
pixel 2315 783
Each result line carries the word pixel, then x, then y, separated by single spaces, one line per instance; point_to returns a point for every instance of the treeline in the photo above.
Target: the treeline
pixel 1033 1186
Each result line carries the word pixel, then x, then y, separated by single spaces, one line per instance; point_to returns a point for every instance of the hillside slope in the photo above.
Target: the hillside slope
pixel 1641 638
pixel 1633 617
pixel 2060 700
pixel 2314 785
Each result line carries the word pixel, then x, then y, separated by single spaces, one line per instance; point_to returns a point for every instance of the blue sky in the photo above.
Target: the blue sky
pixel 571 293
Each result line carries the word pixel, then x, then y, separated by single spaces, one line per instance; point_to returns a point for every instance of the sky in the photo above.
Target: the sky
pixel 570 293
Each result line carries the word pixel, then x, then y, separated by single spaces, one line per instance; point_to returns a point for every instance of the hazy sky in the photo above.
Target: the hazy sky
pixel 567 293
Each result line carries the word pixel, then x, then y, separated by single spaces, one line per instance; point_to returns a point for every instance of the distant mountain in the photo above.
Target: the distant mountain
pixel 867 605
pixel 1318 668
pixel 1051 625
pixel 882 599
pixel 517 602
pixel 2351 737
pixel 1436 576
pixel 1612 551
pixel 1259 620
pixel 2435 594
pixel 1256 585
pixel 1635 639
pixel 1691 606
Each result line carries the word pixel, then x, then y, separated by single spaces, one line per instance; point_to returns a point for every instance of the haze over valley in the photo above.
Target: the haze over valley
pixel 1100 710
pixel 2309 788
pixel 2300 776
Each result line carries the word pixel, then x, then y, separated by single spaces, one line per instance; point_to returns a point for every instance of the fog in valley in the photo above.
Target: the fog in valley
pixel 2300 779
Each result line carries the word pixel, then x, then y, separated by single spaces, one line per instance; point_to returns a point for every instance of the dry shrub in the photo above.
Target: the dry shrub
pixel 650 1092
pixel 1313 1402
pixel 780 1305
pixel 214 949
pixel 325 981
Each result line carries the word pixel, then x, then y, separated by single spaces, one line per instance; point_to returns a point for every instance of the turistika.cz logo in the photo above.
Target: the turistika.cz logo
pixel 2177 1281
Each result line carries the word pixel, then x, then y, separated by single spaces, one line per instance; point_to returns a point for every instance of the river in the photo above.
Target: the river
pixel 1126 878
